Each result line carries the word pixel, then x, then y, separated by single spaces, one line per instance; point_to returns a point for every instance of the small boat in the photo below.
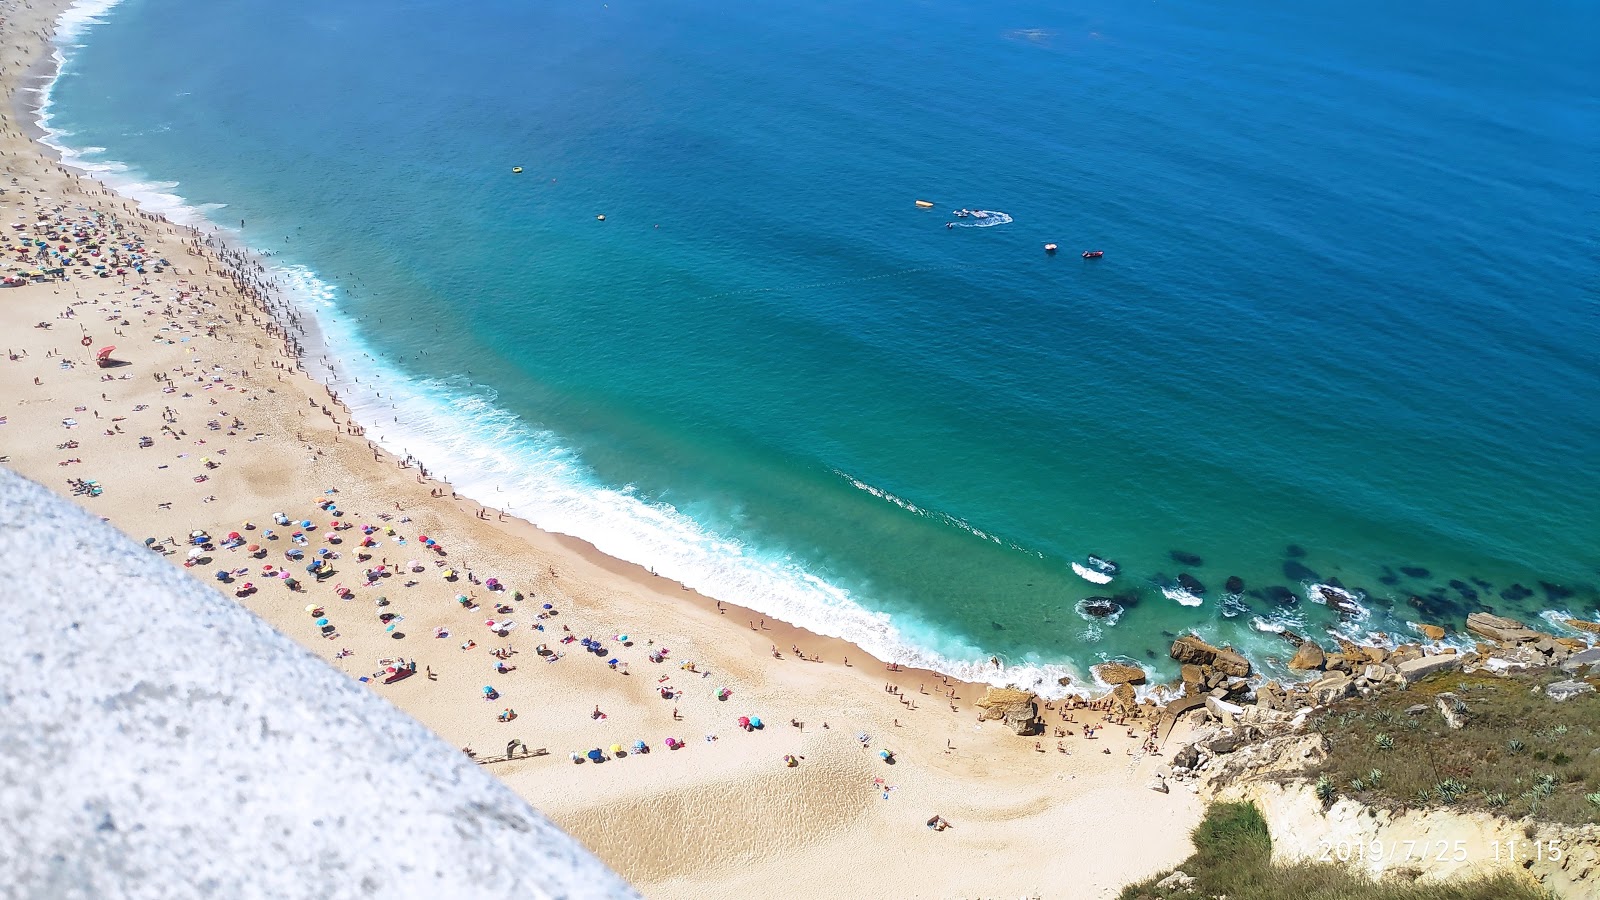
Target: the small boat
pixel 925 204
pixel 1093 254
pixel 516 170
pixel 1050 248
pixel 979 214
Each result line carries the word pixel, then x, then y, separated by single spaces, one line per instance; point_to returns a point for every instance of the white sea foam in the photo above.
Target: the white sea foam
pixel 1232 605
pixel 496 458
pixel 1181 596
pixel 1088 574
pixel 493 457
pixel 989 219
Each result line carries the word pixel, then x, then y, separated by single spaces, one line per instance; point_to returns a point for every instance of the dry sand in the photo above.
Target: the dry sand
pixel 716 818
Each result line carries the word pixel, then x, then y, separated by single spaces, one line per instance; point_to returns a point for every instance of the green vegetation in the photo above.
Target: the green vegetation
pixel 1518 754
pixel 1233 858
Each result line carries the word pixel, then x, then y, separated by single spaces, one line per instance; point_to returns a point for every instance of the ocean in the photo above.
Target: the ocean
pixel 1342 332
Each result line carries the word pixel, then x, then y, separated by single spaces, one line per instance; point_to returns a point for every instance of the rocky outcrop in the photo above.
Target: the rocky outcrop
pixel 1019 710
pixel 1500 629
pixel 1431 632
pixel 1192 650
pixel 1308 658
pixel 1566 690
pixel 1579 624
pixel 1413 670
pixel 1119 673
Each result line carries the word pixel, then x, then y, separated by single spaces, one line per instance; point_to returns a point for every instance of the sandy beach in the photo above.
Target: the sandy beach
pixel 204 424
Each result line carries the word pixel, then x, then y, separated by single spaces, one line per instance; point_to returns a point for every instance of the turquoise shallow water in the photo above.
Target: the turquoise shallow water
pixel 1342 307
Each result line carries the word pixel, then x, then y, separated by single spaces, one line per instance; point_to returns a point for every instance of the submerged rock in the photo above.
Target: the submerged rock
pixel 1415 572
pixel 1294 551
pixel 1516 592
pixel 1555 592
pixel 1234 585
pixel 1186 559
pixel 1099 607
pixel 1281 595
pixel 1297 571
pixel 1191 584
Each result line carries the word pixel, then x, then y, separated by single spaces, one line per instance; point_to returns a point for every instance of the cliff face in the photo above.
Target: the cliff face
pixel 1429 845
pixel 157 740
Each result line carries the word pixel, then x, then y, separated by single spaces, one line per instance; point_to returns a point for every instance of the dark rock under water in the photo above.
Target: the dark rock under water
pixel 1187 559
pixel 1294 551
pixel 1555 592
pixel 1191 584
pixel 1415 572
pixel 1298 571
pixel 1281 595
pixel 1234 585
pixel 1516 592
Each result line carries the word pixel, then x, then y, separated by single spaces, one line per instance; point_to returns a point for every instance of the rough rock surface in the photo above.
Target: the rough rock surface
pixel 207 755
pixel 1119 673
pixel 1308 658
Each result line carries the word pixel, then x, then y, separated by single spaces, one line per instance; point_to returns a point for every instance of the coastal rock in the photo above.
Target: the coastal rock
pixel 1186 559
pixel 1581 625
pixel 1099 607
pixel 1452 709
pixel 1562 691
pixel 1222 709
pixel 1431 632
pixel 1499 628
pixel 1187 757
pixel 1577 661
pixel 1413 670
pixel 1403 653
pixel 1123 699
pixel 1308 658
pixel 1190 649
pixel 1193 674
pixel 1234 585
pixel 1191 584
pixel 1018 709
pixel 1334 687
pixel 1229 662
pixel 1336 662
pixel 1119 673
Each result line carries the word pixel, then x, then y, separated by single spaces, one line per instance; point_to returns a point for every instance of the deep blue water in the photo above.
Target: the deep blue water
pixel 1346 301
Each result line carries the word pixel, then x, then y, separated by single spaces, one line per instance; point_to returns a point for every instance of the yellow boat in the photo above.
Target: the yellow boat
pixel 516 170
pixel 925 204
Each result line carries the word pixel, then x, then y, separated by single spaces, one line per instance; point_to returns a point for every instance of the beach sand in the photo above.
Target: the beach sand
pixel 238 432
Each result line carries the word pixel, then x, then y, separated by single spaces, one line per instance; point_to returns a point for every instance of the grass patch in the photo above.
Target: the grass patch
pixel 1519 754
pixel 1233 857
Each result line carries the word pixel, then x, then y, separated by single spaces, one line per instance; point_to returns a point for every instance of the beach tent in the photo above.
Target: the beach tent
pixel 755 722
pixel 744 721
pixel 596 755
pixel 616 749
pixel 639 747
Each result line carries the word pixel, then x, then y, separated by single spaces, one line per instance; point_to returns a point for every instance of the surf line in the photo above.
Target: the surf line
pixel 834 283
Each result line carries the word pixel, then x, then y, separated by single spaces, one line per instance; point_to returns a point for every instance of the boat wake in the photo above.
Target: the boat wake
pixel 979 218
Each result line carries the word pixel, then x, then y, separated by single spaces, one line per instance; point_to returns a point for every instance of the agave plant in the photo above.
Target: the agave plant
pixel 1593 798
pixel 1449 790
pixel 1373 776
pixel 1326 792
pixel 1494 800
pixel 1357 785
pixel 1515 746
pixel 1383 742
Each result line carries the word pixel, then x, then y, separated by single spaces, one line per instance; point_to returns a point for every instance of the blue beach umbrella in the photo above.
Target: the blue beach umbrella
pixel 548 606
pixel 755 722
pixel 321 622
pixel 596 755
pixel 488 689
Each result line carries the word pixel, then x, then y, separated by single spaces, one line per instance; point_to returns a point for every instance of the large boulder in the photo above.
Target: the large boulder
pixel 1413 670
pixel 1335 687
pixel 1187 757
pixel 1566 690
pixel 1308 658
pixel 1229 662
pixel 1431 632
pixel 1119 673
pixel 1019 710
pixel 1453 709
pixel 1190 649
pixel 1193 674
pixel 1581 625
pixel 1500 628
pixel 1577 661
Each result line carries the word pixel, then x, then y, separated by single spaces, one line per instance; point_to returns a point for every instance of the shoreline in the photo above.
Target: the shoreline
pixel 193 347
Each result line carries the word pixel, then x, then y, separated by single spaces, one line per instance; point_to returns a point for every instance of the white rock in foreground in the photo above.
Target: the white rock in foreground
pixel 157 740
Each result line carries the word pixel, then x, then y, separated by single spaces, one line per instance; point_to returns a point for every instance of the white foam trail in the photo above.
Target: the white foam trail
pixel 500 461
pixel 989 219
pixel 1088 574
pixel 492 456
pixel 152 195
pixel 1232 605
pixel 1181 596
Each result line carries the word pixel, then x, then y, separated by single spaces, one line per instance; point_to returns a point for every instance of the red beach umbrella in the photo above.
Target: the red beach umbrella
pixel 103 352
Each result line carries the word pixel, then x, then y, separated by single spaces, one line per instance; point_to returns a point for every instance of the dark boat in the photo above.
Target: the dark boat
pixel 1093 254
